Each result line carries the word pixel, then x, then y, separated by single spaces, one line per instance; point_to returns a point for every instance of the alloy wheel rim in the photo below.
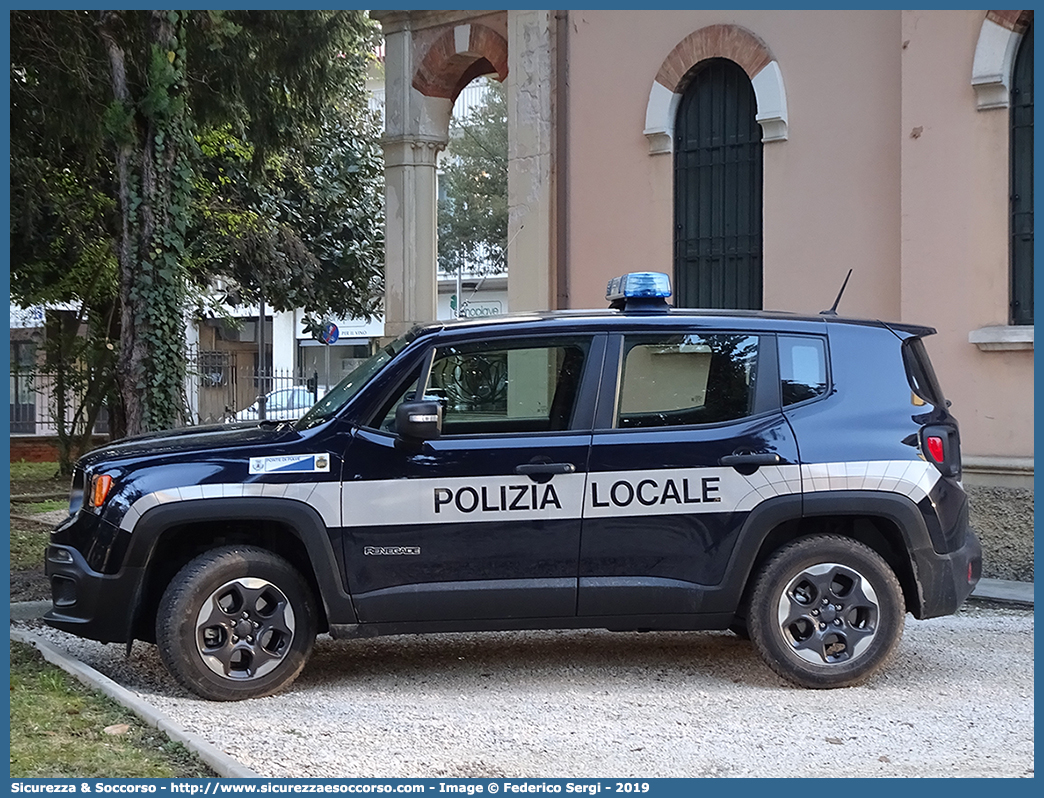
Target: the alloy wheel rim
pixel 828 614
pixel 244 629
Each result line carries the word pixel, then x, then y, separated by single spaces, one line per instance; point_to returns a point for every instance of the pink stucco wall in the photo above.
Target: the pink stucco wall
pixel 955 179
pixel 831 192
pixel 922 221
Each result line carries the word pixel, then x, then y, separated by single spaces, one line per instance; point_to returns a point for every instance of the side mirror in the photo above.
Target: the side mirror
pixel 419 420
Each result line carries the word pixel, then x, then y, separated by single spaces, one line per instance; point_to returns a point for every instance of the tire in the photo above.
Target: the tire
pixel 236 622
pixel 795 622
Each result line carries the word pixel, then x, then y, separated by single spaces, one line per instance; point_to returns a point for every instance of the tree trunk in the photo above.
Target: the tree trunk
pixel 130 365
pixel 153 189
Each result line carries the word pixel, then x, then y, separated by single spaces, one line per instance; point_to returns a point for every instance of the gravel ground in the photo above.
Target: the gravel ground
pixel 956 701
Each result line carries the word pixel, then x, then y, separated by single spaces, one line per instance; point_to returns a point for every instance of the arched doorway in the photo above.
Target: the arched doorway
pixel 718 190
pixel 1022 182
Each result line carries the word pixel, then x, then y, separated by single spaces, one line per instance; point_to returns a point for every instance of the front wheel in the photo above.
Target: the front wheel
pixel 826 611
pixel 236 622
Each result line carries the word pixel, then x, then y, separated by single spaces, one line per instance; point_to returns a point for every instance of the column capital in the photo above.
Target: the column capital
pixel 392 21
pixel 411 150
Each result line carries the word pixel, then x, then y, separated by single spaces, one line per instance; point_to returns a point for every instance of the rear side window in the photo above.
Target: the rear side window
pixel 802 368
pixel 678 380
pixel 920 373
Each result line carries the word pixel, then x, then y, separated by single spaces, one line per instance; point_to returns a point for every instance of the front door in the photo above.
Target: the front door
pixel 484 522
pixel 689 443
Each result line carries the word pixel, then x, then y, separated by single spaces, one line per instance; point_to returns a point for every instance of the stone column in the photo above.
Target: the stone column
pixel 284 341
pixel 416 130
pixel 530 84
pixel 410 246
pixel 191 379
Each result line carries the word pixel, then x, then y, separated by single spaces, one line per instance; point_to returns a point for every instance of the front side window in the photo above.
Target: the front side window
pixel 493 388
pixel 684 379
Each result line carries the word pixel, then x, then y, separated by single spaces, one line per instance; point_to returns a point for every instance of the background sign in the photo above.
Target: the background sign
pixel 475 309
pixel 330 333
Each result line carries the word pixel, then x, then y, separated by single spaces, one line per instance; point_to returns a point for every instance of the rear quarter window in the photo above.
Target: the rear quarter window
pixel 920 373
pixel 802 368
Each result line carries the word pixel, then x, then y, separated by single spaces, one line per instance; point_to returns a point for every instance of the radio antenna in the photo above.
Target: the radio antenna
pixel 482 279
pixel 833 308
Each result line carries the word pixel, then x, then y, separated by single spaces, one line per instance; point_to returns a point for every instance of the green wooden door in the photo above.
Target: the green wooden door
pixel 717 191
pixel 1022 183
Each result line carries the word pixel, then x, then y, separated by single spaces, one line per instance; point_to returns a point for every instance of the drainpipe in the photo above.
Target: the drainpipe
pixel 262 398
pixel 560 160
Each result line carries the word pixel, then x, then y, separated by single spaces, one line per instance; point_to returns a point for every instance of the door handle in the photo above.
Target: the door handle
pixel 747 463
pixel 537 469
pixel 750 459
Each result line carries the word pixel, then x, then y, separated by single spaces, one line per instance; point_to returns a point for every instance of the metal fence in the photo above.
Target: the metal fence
pixel 218 389
pixel 34 405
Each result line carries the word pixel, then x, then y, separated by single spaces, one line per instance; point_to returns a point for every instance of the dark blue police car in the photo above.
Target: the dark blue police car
pixel 796 479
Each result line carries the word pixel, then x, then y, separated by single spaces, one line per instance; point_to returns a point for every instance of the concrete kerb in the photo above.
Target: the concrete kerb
pixel 29 610
pixel 222 763
pixel 1004 591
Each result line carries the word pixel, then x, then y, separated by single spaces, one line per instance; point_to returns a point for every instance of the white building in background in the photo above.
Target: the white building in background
pixel 29 406
pixel 31 388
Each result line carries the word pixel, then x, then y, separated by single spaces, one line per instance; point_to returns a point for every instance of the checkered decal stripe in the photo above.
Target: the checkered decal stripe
pixel 711 490
pixel 912 478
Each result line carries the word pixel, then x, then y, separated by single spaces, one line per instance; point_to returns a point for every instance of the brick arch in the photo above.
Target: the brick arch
pixel 1014 20
pixel 459 55
pixel 716 41
pixel 998 41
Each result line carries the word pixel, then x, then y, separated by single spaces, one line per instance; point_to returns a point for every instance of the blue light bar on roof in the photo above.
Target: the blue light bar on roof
pixel 644 285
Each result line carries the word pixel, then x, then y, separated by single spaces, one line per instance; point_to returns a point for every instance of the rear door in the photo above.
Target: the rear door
pixel 689 438
pixel 484 522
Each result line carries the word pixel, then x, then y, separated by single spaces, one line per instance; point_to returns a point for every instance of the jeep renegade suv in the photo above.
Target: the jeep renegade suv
pixel 796 479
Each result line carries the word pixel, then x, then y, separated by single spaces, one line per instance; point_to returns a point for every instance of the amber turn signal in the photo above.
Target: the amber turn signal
pixel 100 487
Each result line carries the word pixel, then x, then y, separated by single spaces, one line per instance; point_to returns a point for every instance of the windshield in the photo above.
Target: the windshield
pixel 331 404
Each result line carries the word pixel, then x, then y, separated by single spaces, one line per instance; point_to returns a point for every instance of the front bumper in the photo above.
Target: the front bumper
pixel 946 580
pixel 87 603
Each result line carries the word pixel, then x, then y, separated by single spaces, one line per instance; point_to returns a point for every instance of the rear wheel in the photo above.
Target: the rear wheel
pixel 826 611
pixel 236 622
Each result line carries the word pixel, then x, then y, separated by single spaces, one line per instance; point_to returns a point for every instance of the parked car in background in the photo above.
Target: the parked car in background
pixel 285 404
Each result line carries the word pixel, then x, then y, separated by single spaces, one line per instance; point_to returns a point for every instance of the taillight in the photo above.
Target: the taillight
pixel 935 448
pixel 100 487
pixel 941 446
